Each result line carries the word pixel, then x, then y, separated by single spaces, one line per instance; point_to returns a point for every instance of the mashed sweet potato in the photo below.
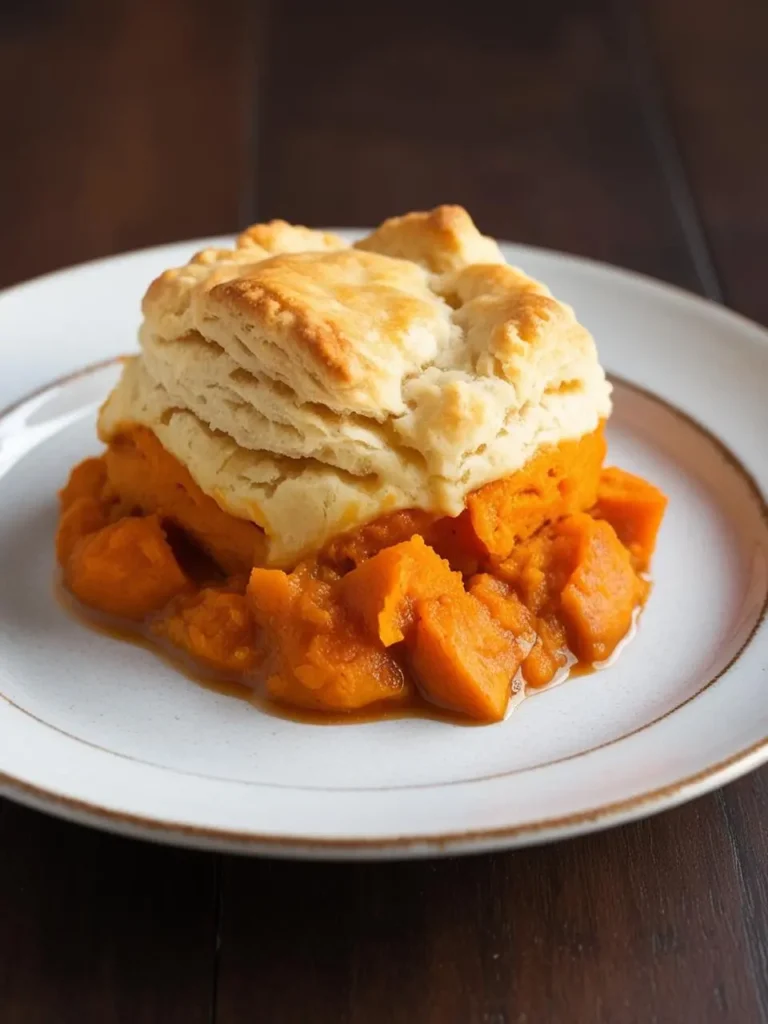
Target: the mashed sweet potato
pixel 543 568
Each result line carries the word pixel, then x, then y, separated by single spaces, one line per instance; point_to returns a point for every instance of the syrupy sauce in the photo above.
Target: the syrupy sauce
pixel 140 635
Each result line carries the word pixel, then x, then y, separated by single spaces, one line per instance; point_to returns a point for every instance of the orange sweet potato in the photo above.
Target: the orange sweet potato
pixel 557 481
pixel 505 606
pixel 84 507
pixel 634 508
pixel 147 477
pixel 321 657
pixel 213 625
pixel 454 539
pixel 599 599
pixel 546 582
pixel 350 549
pixel 78 518
pixel 549 654
pixel 87 480
pixel 461 657
pixel 381 591
pixel 125 569
pixel 542 640
pixel 577 581
pixel 332 638
pixel 539 569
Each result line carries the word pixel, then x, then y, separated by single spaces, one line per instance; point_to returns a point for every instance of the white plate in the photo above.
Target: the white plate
pixel 105 733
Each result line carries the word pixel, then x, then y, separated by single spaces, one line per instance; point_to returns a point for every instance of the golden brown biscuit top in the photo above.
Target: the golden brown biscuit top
pixel 309 384
pixel 444 239
pixel 349 326
pixel 347 317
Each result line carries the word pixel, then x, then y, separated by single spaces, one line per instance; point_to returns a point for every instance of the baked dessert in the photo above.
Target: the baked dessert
pixel 363 475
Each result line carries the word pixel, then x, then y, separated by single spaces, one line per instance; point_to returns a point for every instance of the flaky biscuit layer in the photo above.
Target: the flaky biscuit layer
pixel 311 386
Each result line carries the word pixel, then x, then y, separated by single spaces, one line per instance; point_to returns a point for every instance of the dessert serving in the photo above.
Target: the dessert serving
pixel 362 476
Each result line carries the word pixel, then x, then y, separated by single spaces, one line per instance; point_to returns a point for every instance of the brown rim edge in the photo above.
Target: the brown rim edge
pixel 614 813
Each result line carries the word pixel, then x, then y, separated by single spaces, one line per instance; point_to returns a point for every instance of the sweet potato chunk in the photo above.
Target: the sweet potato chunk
pixel 321 656
pixel 454 539
pixel 577 581
pixel 461 657
pixel 635 509
pixel 599 599
pixel 539 569
pixel 79 517
pixel 214 626
pixel 350 549
pixel 147 477
pixel 549 654
pixel 557 481
pixel 126 569
pixel 381 591
pixel 87 480
pixel 505 606
pixel 542 640
pixel 84 508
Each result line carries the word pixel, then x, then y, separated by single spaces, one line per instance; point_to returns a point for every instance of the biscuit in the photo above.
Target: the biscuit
pixel 310 386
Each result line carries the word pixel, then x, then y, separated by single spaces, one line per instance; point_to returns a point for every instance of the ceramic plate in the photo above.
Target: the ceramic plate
pixel 104 732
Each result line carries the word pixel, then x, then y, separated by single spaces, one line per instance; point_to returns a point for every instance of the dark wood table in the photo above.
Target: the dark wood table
pixel 633 133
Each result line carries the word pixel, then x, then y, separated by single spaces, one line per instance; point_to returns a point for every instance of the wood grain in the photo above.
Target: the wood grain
pixel 712 61
pixel 530 119
pixel 639 924
pixel 128 126
pixel 100 930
